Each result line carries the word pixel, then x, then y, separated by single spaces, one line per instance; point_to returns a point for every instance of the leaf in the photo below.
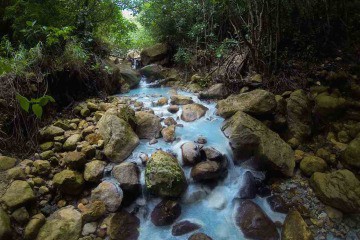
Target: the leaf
pixel 24 102
pixel 29 23
pixel 45 100
pixel 38 110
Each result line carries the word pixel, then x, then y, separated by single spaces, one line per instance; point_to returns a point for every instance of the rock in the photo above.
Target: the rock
pixel 89 228
pixel 149 125
pixel 192 112
pixel 180 100
pixel 249 137
pixel 152 72
pixel 254 223
pixel 42 167
pixel 311 164
pixel 119 138
pixel 162 101
pixel 201 140
pixel 92 211
pixel 211 154
pixel 64 224
pixel 170 121
pixel 75 160
pixel 157 53
pixel 199 236
pixel 298 108
pixel 33 227
pixel 164 176
pixel 173 108
pixel 94 171
pixel 277 204
pixel 47 155
pixel 124 226
pixel 216 91
pixel 48 133
pixel 295 228
pixel 71 143
pixel 85 112
pixel 184 227
pixel 128 175
pixel 208 170
pixel 351 155
pixel 165 213
pixel 257 102
pixel 109 193
pixel 248 188
pixel 16 173
pixel 18 194
pixel 339 189
pixel 20 215
pixel 190 154
pixel 327 105
pixel 69 182
pixel 130 77
pixel 168 134
pixel 5 226
pixel 6 163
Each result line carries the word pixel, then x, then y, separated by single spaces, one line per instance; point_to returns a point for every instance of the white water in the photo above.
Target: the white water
pixel 215 212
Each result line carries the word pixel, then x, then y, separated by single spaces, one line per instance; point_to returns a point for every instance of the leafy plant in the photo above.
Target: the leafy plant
pixel 35 105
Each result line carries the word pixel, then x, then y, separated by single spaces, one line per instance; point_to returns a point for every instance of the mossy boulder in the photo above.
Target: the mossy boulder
pixel 164 176
pixel 156 53
pixel 295 228
pixel 49 132
pixel 5 226
pixel 251 138
pixel 69 182
pixel 339 189
pixel 328 105
pixel 33 227
pixel 6 163
pixel 312 164
pixel 257 102
pixel 351 155
pixel 18 194
pixel 64 224
pixel 119 138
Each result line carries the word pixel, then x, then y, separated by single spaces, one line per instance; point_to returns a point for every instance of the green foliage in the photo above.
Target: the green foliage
pixel 36 105
pixel 183 57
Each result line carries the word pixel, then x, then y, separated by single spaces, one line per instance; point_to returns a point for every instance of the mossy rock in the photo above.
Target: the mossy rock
pixel 69 182
pixel 329 106
pixel 351 155
pixel 18 194
pixel 5 226
pixel 164 176
pixel 6 163
pixel 295 228
pixel 312 164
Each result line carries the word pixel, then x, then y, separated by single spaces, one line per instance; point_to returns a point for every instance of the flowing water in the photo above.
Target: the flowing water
pixel 215 207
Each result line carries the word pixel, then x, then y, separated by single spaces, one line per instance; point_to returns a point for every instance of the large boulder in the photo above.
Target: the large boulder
pixel 251 138
pixel 124 226
pixel 119 138
pixel 298 108
pixel 5 226
pixel 64 224
pixel 164 176
pixel 254 222
pixel 257 102
pixel 339 189
pixel 149 125
pixel 155 54
pixel 152 72
pixel 295 228
pixel 109 193
pixel 130 77
pixel 351 155
pixel 216 91
pixel 18 194
pixel 192 112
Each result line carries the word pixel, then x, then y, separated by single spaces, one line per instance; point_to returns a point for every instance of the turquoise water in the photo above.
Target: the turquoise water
pixel 215 208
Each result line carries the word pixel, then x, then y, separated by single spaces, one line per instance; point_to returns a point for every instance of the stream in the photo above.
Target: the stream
pixel 215 207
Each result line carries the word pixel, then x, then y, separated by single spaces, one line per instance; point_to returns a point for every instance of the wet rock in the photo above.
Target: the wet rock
pixel 216 91
pixel 33 227
pixel 157 53
pixel 211 154
pixel 208 170
pixel 18 194
pixel 173 108
pixel 131 77
pixel 257 102
pixel 278 204
pixel 254 223
pixel 69 182
pixel 71 143
pixel 92 211
pixel 298 108
pixel 180 100
pixel 162 101
pixel 192 112
pixel 5 226
pixel 108 193
pixel 201 140
pixel 152 72
pixel 248 188
pixel 6 163
pixel 119 138
pixel 184 227
pixel 199 236
pixel 48 133
pixel 149 125
pixel 170 121
pixel 295 228
pixel 64 224
pixel 164 176
pixel 165 213
pixel 190 154
pixel 339 189
pixel 327 105
pixel 312 164
pixel 168 134
pixel 351 155
pixel 128 175
pixel 94 171
pixel 249 137
pixel 124 226
pixel 75 160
